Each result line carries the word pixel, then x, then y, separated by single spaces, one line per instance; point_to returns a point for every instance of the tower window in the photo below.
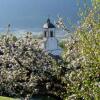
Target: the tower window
pixel 45 34
pixel 51 33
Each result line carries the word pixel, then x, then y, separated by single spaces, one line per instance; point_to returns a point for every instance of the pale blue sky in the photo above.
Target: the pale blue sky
pixel 33 13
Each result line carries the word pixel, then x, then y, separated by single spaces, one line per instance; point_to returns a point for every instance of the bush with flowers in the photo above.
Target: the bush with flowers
pixel 25 69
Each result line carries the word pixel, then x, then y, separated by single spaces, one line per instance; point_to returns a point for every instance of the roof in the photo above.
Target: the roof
pixel 48 24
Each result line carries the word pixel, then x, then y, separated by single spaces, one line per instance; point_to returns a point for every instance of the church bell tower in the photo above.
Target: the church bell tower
pixel 50 42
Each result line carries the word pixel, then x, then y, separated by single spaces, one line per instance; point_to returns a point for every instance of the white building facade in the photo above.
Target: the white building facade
pixel 50 44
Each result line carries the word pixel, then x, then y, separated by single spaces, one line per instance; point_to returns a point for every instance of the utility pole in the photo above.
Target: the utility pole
pixel 8 29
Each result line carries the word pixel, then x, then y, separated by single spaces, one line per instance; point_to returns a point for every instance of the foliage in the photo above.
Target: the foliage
pixel 83 55
pixel 25 69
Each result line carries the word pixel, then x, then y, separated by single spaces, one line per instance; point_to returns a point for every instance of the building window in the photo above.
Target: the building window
pixel 45 34
pixel 51 33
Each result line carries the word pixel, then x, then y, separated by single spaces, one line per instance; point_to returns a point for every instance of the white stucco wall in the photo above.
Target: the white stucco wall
pixel 51 46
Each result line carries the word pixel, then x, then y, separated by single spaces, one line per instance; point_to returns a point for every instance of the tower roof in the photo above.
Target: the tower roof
pixel 48 24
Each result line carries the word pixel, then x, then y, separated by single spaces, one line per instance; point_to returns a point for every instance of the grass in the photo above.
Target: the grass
pixel 7 98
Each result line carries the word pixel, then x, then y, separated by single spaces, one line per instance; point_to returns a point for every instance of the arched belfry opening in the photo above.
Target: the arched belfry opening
pixel 49 29
pixel 51 43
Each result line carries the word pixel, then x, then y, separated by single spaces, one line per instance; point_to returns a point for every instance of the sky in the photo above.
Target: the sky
pixel 32 14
